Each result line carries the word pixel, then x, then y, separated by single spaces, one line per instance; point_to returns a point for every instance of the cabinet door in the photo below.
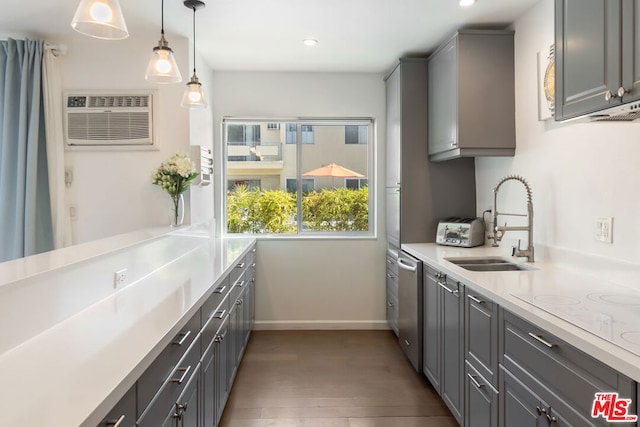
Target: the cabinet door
pixel 188 406
pixel 452 345
pixel 588 55
pixel 235 319
pixel 481 400
pixel 481 334
pixel 432 330
pixel 393 128
pixel 221 358
pixel 631 49
pixel 518 405
pixel 208 364
pixel 443 99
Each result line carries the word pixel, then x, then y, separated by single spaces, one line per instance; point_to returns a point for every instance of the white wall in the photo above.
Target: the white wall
pixel 577 171
pixel 311 283
pixel 112 189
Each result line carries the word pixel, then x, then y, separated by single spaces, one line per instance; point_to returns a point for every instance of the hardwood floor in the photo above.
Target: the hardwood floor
pixel 331 379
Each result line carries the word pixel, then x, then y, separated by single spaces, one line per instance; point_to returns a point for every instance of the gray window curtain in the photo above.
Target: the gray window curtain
pixel 25 206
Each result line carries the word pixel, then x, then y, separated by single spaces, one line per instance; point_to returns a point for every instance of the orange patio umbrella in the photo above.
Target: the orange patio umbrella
pixel 334 170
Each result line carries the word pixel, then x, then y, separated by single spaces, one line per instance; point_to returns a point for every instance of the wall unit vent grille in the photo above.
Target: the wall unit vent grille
pixel 99 120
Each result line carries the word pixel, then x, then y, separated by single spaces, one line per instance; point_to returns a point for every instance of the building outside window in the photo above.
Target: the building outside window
pixel 331 158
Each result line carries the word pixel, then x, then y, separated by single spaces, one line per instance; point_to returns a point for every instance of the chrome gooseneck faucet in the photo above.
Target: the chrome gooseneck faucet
pixel 498 230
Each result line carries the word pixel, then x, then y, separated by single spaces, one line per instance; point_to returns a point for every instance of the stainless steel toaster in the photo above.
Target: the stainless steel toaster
pixel 463 232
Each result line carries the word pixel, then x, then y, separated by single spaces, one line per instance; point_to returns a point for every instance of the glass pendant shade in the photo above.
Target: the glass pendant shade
pixel 162 67
pixel 193 96
pixel 101 19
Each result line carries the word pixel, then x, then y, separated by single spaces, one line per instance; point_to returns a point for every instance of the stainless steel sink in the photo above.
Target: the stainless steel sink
pixel 489 264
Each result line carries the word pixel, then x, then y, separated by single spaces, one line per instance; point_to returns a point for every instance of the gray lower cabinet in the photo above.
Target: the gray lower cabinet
pixel 188 384
pixel 563 379
pixel 443 358
pixel 471 96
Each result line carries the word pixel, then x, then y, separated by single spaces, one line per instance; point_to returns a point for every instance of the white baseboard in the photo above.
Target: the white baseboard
pixel 319 325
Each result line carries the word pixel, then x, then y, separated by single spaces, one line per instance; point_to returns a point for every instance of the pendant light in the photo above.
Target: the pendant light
pixel 101 19
pixel 193 96
pixel 162 66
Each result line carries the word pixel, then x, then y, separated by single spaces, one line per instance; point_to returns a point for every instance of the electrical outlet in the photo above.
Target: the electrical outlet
pixel 119 277
pixel 604 229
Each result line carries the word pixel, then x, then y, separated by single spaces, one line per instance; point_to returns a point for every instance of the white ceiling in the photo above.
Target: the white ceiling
pixel 353 35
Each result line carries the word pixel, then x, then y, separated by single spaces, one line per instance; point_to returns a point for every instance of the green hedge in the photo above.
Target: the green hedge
pixel 274 211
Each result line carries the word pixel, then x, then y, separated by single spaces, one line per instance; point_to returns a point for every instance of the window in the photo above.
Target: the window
pixel 308 184
pixel 355 183
pixel 317 184
pixel 355 134
pixel 306 132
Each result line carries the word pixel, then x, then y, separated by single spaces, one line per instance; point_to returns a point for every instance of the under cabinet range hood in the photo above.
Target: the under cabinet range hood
pixel 620 113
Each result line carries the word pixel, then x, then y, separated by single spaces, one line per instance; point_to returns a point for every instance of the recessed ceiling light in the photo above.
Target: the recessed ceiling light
pixel 467 3
pixel 310 42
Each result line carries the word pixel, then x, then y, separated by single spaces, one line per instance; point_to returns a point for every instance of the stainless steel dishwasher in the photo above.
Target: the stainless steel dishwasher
pixel 410 308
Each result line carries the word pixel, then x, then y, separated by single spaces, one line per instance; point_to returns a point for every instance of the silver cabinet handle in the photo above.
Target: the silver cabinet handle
pixel 608 96
pixel 475 299
pixel 115 423
pixel 439 275
pixel 184 371
pixel 475 381
pixel 253 265
pixel 241 284
pixel 552 419
pixel 220 290
pixel 540 410
pixel 389 275
pixel 241 265
pixel 405 266
pixel 184 337
pixel 446 288
pixel 622 91
pixel 407 343
pixel 220 314
pixel 253 250
pixel 389 303
pixel 541 340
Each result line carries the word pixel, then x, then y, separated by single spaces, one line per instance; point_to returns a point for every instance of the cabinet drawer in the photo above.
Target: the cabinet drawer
pixel 481 334
pixel 165 398
pixel 164 365
pixel 529 351
pixel 213 323
pixel 123 413
pixel 210 306
pixel 237 270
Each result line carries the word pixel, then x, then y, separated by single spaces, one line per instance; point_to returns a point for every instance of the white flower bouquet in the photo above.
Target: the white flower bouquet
pixel 174 176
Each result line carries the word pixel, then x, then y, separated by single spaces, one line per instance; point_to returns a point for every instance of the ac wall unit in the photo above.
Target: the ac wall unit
pixel 109 119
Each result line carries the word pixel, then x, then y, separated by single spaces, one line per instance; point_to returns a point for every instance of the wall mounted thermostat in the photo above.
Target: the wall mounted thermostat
pixel 203 158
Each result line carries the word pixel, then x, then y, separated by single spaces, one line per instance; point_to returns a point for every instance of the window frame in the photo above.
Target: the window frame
pixel 372 176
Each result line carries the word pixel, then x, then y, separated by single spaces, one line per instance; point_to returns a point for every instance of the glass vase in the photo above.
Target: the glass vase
pixel 177 210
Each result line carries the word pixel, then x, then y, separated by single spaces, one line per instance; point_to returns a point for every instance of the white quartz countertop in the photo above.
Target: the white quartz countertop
pixel 69 370
pixel 549 278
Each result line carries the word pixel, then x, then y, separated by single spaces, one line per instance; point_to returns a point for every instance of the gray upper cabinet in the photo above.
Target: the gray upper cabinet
pixel 597 59
pixel 394 133
pixel 472 96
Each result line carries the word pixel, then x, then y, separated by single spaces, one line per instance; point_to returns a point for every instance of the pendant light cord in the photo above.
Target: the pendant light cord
pixel 194 40
pixel 162 17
